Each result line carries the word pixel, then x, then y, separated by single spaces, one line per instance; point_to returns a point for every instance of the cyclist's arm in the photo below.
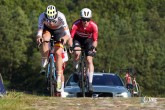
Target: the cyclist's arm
pixel 73 31
pixel 39 33
pixel 95 35
pixel 39 39
pixel 69 41
pixel 40 28
pixel 66 28
pixel 40 24
pixel 94 44
pixel 65 25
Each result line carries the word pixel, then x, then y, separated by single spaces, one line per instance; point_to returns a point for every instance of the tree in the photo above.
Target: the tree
pixel 14 40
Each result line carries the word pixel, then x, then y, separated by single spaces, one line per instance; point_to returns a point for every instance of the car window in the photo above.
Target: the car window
pixel 101 79
pixel 108 80
pixel 72 82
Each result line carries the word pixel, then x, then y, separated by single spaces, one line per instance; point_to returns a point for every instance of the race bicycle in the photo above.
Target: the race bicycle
pixel 51 75
pixel 82 70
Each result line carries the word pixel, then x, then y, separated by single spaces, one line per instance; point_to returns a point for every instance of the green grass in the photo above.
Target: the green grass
pixel 22 101
pixel 17 101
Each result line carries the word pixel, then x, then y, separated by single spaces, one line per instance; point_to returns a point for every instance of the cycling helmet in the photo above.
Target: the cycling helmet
pixel 86 13
pixel 51 12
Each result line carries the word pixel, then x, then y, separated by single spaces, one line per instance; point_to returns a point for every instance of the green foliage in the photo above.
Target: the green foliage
pixel 131 34
pixel 14 38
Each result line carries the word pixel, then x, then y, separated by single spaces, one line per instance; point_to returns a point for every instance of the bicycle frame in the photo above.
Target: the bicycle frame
pixel 51 56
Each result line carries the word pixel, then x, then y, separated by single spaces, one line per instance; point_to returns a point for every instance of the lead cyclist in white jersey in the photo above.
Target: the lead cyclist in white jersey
pixel 52 23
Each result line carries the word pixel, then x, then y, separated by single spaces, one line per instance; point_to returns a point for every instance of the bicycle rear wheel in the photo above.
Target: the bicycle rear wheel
pixel 52 79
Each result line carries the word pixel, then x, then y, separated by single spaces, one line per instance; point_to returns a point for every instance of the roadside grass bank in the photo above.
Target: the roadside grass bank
pixel 23 101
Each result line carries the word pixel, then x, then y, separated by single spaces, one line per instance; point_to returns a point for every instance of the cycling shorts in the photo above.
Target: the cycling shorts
pixel 57 34
pixel 86 43
pixel 129 86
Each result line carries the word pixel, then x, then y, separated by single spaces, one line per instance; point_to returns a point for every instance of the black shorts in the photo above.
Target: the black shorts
pixel 57 34
pixel 129 86
pixel 85 43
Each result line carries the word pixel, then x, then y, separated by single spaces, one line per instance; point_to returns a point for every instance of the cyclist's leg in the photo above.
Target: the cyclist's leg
pixel 63 94
pixel 90 71
pixel 45 49
pixel 62 82
pixel 77 42
pixel 90 68
pixel 62 77
pixel 76 61
pixel 58 52
pixel 65 59
pixel 90 55
pixel 59 34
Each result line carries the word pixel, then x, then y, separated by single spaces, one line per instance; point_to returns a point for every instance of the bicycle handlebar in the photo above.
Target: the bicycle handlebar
pixel 82 48
pixel 52 41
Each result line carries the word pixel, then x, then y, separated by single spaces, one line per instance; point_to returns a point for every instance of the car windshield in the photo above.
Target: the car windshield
pixel 100 79
pixel 107 80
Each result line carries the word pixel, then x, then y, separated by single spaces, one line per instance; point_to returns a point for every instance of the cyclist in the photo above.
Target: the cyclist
pixel 52 23
pixel 128 80
pixel 84 32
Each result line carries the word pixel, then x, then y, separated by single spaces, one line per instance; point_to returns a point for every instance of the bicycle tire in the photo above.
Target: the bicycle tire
pixel 87 83
pixel 82 78
pixel 52 82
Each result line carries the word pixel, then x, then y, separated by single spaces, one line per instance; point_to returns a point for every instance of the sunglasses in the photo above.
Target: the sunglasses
pixel 85 19
pixel 51 20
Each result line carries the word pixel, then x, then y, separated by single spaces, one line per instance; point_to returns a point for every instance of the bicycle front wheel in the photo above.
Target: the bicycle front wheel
pixel 82 78
pixel 52 81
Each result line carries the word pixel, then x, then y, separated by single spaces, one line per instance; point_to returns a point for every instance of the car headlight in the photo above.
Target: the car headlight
pixel 123 94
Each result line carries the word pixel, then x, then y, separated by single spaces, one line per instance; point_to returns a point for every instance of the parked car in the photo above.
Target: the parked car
pixel 104 84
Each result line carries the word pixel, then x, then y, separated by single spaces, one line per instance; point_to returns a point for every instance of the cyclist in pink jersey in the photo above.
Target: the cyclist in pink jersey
pixel 84 32
pixel 128 79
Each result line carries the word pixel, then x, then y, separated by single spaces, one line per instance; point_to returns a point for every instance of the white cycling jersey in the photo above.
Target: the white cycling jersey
pixel 60 21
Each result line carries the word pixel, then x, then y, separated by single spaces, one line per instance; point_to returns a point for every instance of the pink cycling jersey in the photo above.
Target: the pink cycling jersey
pixel 91 31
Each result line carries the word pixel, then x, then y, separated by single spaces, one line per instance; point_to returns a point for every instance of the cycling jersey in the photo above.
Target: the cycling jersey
pixel 57 23
pixel 91 31
pixel 128 79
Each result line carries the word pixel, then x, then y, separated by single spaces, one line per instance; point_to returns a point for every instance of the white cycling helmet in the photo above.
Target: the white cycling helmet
pixel 51 12
pixel 86 13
